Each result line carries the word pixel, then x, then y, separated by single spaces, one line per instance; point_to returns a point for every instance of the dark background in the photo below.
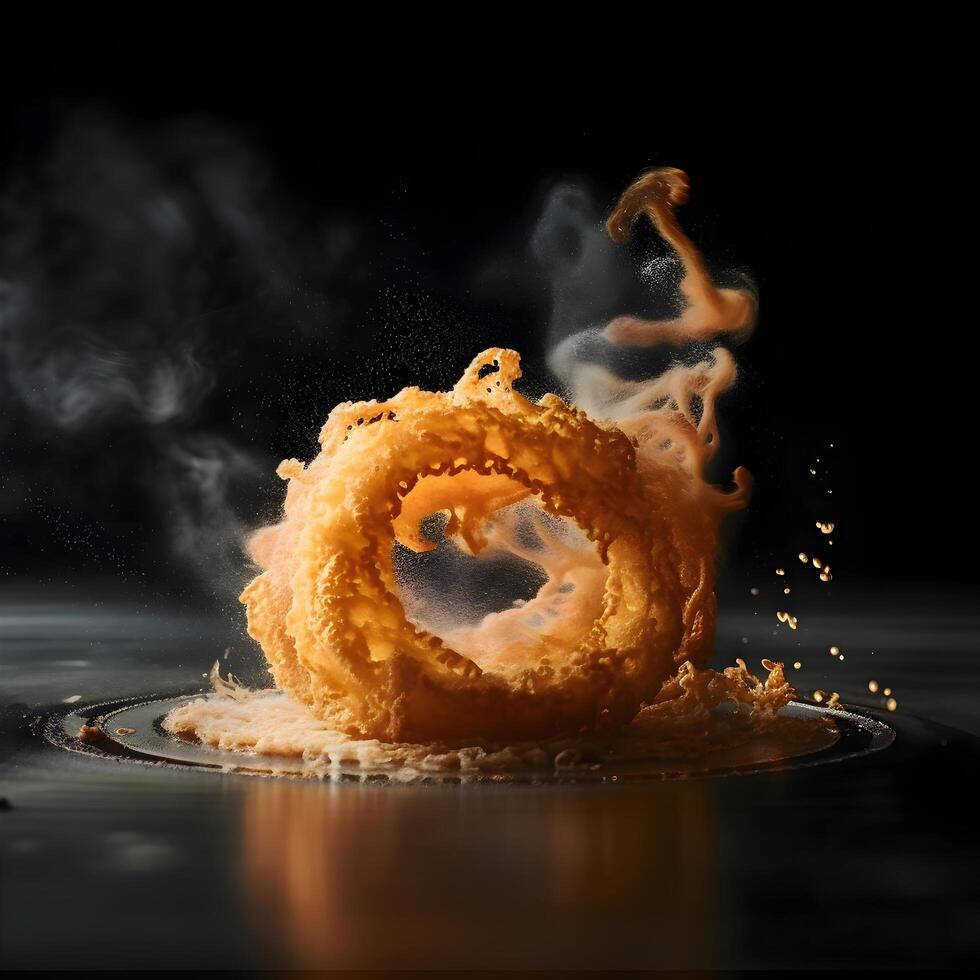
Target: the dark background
pixel 206 242
pixel 197 264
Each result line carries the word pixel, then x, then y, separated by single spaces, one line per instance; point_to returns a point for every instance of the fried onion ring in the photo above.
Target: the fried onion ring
pixel 326 610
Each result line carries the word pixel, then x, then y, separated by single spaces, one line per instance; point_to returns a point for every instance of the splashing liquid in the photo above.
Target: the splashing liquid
pixel 604 497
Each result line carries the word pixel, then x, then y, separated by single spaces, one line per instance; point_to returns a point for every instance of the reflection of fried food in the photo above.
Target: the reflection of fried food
pixel 327 612
pixel 632 877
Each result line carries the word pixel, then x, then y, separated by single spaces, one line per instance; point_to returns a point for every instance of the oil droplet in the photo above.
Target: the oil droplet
pixel 825 526
pixel 797 665
pixel 873 687
pixel 786 591
pixel 887 692
pixel 891 704
pixel 835 651
pixel 841 657
pixel 754 590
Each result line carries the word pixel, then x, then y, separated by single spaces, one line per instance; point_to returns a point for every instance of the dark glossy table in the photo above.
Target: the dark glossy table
pixel 115 865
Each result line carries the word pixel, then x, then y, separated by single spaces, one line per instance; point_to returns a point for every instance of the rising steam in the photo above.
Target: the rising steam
pixel 129 258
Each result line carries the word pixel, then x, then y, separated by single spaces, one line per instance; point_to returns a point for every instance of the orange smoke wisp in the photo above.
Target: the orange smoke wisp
pixel 710 311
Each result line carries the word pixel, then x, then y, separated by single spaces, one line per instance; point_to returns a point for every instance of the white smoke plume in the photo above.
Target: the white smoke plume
pixel 129 259
pixel 201 476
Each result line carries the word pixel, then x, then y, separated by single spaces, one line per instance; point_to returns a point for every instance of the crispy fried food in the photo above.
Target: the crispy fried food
pixel 327 612
pixel 612 505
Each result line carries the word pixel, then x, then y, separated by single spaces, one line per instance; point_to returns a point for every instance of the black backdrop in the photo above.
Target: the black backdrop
pixel 281 245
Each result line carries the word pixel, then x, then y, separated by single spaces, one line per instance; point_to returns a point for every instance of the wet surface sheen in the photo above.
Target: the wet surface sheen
pixel 866 862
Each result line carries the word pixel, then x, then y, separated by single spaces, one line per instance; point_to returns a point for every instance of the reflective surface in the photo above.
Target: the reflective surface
pixel 866 862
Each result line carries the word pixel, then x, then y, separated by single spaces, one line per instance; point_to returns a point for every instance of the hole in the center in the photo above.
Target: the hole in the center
pixel 530 594
pixel 447 588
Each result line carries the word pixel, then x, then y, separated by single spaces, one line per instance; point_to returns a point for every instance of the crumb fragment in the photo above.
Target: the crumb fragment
pixel 788 618
pixel 89 733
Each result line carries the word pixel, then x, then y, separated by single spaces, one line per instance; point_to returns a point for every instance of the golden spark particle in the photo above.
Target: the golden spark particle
pixel 787 618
